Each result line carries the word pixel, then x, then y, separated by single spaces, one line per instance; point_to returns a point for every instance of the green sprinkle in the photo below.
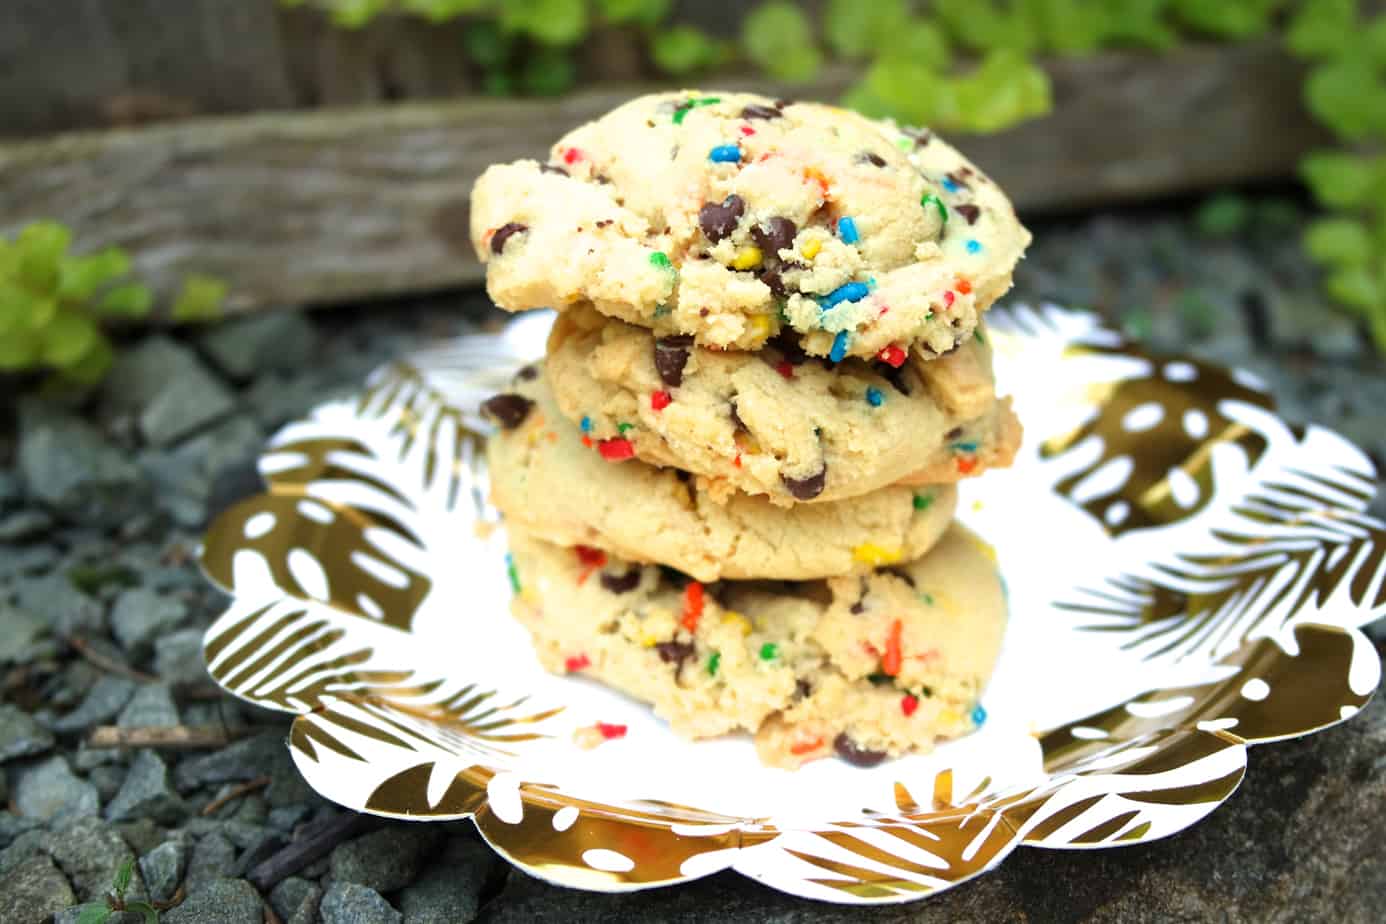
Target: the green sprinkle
pixel 688 105
pixel 769 651
pixel 624 427
pixel 713 663
pixel 977 335
pixel 927 598
pixel 661 310
pixel 905 144
pixel 936 202
pixel 660 259
pixel 514 575
pixel 922 501
pixel 880 679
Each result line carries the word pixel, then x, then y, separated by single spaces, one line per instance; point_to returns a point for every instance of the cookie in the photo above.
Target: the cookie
pixel 774 422
pixel 729 217
pixel 863 666
pixel 550 485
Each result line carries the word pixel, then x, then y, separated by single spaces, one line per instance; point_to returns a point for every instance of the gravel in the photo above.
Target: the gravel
pixel 223 901
pixel 33 892
pixel 141 615
pixel 167 389
pixel 69 467
pixel 387 859
pixel 147 793
pixel 48 790
pixel 163 868
pixel 20 735
pixel 348 903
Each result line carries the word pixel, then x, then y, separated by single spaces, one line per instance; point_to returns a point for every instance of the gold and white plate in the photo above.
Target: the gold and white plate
pixel 1187 573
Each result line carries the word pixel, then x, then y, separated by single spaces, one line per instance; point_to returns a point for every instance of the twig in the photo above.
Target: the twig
pixel 83 648
pixel 317 841
pixel 167 737
pixel 260 782
pixel 173 902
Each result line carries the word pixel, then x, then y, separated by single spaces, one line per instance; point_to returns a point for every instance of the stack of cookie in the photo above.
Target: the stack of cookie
pixel 729 488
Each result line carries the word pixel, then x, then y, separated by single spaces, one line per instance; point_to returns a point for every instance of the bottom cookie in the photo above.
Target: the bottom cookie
pixel 863 667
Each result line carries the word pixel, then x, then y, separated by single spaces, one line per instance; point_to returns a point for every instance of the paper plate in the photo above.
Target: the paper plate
pixel 1187 574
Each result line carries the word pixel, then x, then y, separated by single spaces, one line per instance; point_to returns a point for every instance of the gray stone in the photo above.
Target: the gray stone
pixel 90 851
pixel 10 490
pixel 27 561
pixel 143 835
pixel 310 911
pixel 65 608
pixel 385 860
pixel 163 868
pixel 13 826
pixel 108 780
pixel 220 901
pixel 49 790
pixel 20 735
pixel 140 616
pixel 290 894
pixel 274 341
pixel 287 817
pixel 349 903
pixel 103 703
pixel 244 760
pixel 68 466
pixel 167 389
pixel 213 857
pixel 449 891
pixel 87 758
pixel 24 845
pixel 33 892
pixel 147 793
pixel 21 629
pixel 178 657
pixel 152 706
pixel 25 524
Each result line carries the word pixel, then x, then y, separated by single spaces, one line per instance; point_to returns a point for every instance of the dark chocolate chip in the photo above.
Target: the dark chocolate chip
pixel 736 419
pixel 670 356
pixel 958 180
pixel 858 608
pixel 504 233
pixel 894 375
pixel 755 111
pixel 806 488
pixel 675 652
pixel 970 212
pixel 603 179
pixel 604 223
pixel 848 750
pixel 920 136
pixel 953 433
pixel 773 279
pixel 718 221
pixel 507 409
pixel 901 573
pixel 789 347
pixel 773 235
pixel 782 103
pixel 621 583
pixel 872 158
pixel 528 373
pixel 802 688
pixel 552 168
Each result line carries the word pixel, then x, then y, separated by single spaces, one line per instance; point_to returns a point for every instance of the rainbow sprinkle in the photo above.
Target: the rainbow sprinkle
pixel 622 428
pixel 874 396
pixel 660 259
pixel 725 154
pixel 839 349
pixel 713 663
pixel 936 202
pixel 769 651
pixel 586 424
pixel 686 106
pixel 977 335
pixel 950 184
pixel 979 715
pixel 922 501
pixel 510 570
pixel 973 247
pixel 847 230
pixel 966 446
pixel 847 292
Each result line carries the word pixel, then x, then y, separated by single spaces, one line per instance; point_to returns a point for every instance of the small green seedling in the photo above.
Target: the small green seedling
pixel 100 912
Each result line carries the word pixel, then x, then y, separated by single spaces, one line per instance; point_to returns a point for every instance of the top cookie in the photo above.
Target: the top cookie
pixel 730 216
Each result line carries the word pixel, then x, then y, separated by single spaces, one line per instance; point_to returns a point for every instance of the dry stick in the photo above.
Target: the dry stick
pixel 83 648
pixel 167 737
pixel 317 841
pixel 260 782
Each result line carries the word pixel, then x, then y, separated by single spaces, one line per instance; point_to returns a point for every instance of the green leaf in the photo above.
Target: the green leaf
pixel 920 42
pixel 443 10
pixel 1346 96
pixel 20 307
pixel 65 341
pixel 91 368
pixel 20 349
pixel 150 915
pixel 498 83
pixel 548 71
pixel 1356 288
pixel 907 92
pixel 1339 180
pixel 778 39
pixel 200 299
pixel 640 12
pixel 1226 18
pixel 1320 28
pixel 122 878
pixel 855 29
pixel 353 14
pixel 94 914
pixel 1339 242
pixel 1005 90
pixel 128 301
pixel 983 25
pixel 80 277
pixel 683 50
pixel 487 45
pixel 1223 216
pixel 1373 42
pixel 41 246
pixel 553 22
pixel 1140 23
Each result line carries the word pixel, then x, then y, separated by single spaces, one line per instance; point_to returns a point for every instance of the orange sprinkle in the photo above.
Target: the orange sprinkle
pixel 890 661
pixel 692 606
pixel 737 460
pixel 964 286
pixel 814 175
pixel 966 464
pixel 804 747
pixel 587 441
pixel 591 559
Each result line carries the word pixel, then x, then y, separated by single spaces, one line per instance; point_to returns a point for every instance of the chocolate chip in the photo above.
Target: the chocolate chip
pixel 736 419
pixel 782 103
pixel 920 136
pixel 621 583
pixel 872 158
pixel 604 223
pixel 552 168
pixel 528 373
pixel 773 279
pixel 507 409
pixel 755 111
pixel 901 573
pixel 958 180
pixel 970 212
pixel 774 234
pixel 603 179
pixel 848 750
pixel 894 375
pixel 718 221
pixel 802 688
pixel 503 234
pixel 674 652
pixel 953 433
pixel 670 356
pixel 789 347
pixel 806 488
pixel 858 608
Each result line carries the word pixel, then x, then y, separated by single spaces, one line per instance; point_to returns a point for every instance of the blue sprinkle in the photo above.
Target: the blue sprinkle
pixel 586 425
pixel 965 447
pixel 839 349
pixel 874 396
pixel 974 247
pixel 847 292
pixel 725 154
pixel 950 184
pixel 847 230
pixel 979 715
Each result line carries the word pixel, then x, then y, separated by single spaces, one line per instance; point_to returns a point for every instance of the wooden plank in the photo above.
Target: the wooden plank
pixel 341 204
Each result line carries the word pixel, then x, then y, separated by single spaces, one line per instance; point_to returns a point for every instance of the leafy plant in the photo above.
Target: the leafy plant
pixel 100 912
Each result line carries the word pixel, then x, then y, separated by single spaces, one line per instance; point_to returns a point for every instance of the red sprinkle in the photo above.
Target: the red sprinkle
pixel 785 368
pixel 616 449
pixel 803 747
pixel 892 356
pixel 587 441
pixel 692 605
pixel 966 464
pixel 890 661
pixel 948 299
pixel 909 703
pixel 572 156
pixel 577 663
pixel 590 556
pixel 659 400
pixel 747 130
pixel 964 286
pixel 737 460
pixel 610 730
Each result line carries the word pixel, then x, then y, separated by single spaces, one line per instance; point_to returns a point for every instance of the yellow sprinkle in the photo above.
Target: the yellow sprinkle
pixel 760 326
pixel 948 717
pixel 976 506
pixel 984 547
pixel 731 617
pixel 649 641
pixel 869 553
pixel 746 258
pixel 811 248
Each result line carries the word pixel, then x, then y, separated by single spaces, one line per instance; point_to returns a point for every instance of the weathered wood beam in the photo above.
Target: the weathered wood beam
pixel 341 204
